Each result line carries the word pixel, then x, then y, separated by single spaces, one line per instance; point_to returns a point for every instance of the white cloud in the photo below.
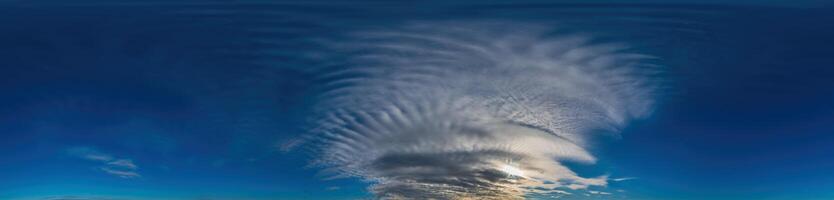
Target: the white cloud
pixel 89 154
pixel 123 168
pixel 598 192
pixel 124 163
pixel 623 179
pixel 560 192
pixel 437 110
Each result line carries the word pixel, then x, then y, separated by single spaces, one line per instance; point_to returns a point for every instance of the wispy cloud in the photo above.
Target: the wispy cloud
pixel 119 167
pixel 124 163
pixel 120 172
pixel 623 179
pixel 599 192
pixel 89 154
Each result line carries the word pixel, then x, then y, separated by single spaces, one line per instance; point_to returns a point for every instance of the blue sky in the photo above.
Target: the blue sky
pixel 196 101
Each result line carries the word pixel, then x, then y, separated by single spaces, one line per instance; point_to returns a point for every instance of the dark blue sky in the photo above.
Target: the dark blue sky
pixel 753 117
pixel 198 98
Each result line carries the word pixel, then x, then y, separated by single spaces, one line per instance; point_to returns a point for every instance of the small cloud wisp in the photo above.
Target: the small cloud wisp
pixel 123 168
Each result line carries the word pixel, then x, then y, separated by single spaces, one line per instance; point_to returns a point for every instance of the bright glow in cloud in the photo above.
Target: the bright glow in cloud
pixel 513 171
pixel 434 110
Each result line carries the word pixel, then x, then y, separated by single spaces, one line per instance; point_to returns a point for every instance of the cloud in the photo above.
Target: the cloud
pixel 123 168
pixel 124 163
pixel 623 179
pixel 120 172
pixel 560 192
pixel 453 110
pixel 598 192
pixel 89 154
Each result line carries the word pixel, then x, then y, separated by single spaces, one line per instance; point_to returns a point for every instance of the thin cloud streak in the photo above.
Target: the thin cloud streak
pixel 623 179
pixel 124 163
pixel 120 173
pixel 122 168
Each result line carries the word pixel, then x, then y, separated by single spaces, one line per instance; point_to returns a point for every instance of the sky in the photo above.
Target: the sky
pixel 197 100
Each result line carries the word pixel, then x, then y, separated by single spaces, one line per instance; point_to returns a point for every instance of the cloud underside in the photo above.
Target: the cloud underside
pixel 455 110
pixel 451 175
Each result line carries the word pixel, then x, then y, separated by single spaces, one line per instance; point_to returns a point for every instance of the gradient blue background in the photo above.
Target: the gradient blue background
pixel 199 96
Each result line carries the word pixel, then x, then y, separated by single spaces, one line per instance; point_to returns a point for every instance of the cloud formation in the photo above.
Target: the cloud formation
pixel 458 110
pixel 123 168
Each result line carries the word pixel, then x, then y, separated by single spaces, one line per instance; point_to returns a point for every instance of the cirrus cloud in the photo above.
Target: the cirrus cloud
pixel 123 168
